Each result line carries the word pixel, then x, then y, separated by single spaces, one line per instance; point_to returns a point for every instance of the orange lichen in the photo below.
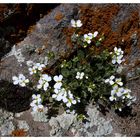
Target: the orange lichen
pixel 58 16
pixel 99 18
pixel 19 133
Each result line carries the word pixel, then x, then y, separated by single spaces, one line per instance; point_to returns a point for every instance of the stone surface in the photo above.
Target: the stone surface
pixel 120 24
pixel 48 33
pixel 23 125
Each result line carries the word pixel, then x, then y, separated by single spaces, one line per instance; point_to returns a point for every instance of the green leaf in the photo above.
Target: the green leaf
pixel 80 54
pixel 65 72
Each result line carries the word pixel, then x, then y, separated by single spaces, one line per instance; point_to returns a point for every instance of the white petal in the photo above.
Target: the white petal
pixel 60 77
pixel 39 86
pixel 77 77
pixel 74 101
pixel 112 77
pixel 111 98
pixel 35 108
pixel 120 83
pixel 85 36
pixel 56 78
pixel 115 49
pixel 40 106
pixel 90 35
pixel 95 34
pixel 107 80
pixel 73 23
pixel 82 74
pixel 111 82
pixel 14 78
pixel 21 77
pixel 54 96
pixel 26 81
pixel 56 90
pixel 45 87
pixel 119 61
pixel 59 98
pixel 32 104
pixel 34 96
pixel 119 94
pixel 65 100
pixel 22 84
pixel 113 61
pixel 79 24
pixel 89 41
pixel 16 82
pixel 58 85
pixel 113 92
pixel 68 104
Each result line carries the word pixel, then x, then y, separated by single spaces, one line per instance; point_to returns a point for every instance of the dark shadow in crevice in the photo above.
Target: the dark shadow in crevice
pixel 14 98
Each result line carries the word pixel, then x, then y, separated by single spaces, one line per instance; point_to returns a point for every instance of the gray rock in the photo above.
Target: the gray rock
pixel 40 116
pixel 23 125
pixel 7 128
pixel 61 124
pixel 48 32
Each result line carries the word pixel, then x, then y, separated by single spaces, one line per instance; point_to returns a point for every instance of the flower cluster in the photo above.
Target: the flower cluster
pixel 20 80
pixel 117 56
pixel 80 75
pixel 79 79
pixel 119 93
pixel 36 103
pixel 44 82
pixel 35 67
pixel 65 96
pixel 113 81
pixel 76 23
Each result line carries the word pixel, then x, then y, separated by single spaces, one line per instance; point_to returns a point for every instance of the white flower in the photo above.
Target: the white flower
pixel 76 23
pixel 117 59
pixel 46 77
pixel 15 80
pixel 58 80
pixel 87 38
pixel 118 51
pixel 65 96
pixel 90 35
pixel 119 92
pixel 45 86
pixel 44 82
pixel 39 66
pixel 32 70
pixel 118 55
pixel 21 80
pixel 38 108
pixel 58 85
pixel 119 81
pixel 80 75
pixel 36 103
pixel 112 98
pixel 110 80
pixel 95 34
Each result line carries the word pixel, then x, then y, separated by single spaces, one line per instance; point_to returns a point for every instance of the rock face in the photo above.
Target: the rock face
pixel 13 30
pixel 47 33
pixel 119 23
